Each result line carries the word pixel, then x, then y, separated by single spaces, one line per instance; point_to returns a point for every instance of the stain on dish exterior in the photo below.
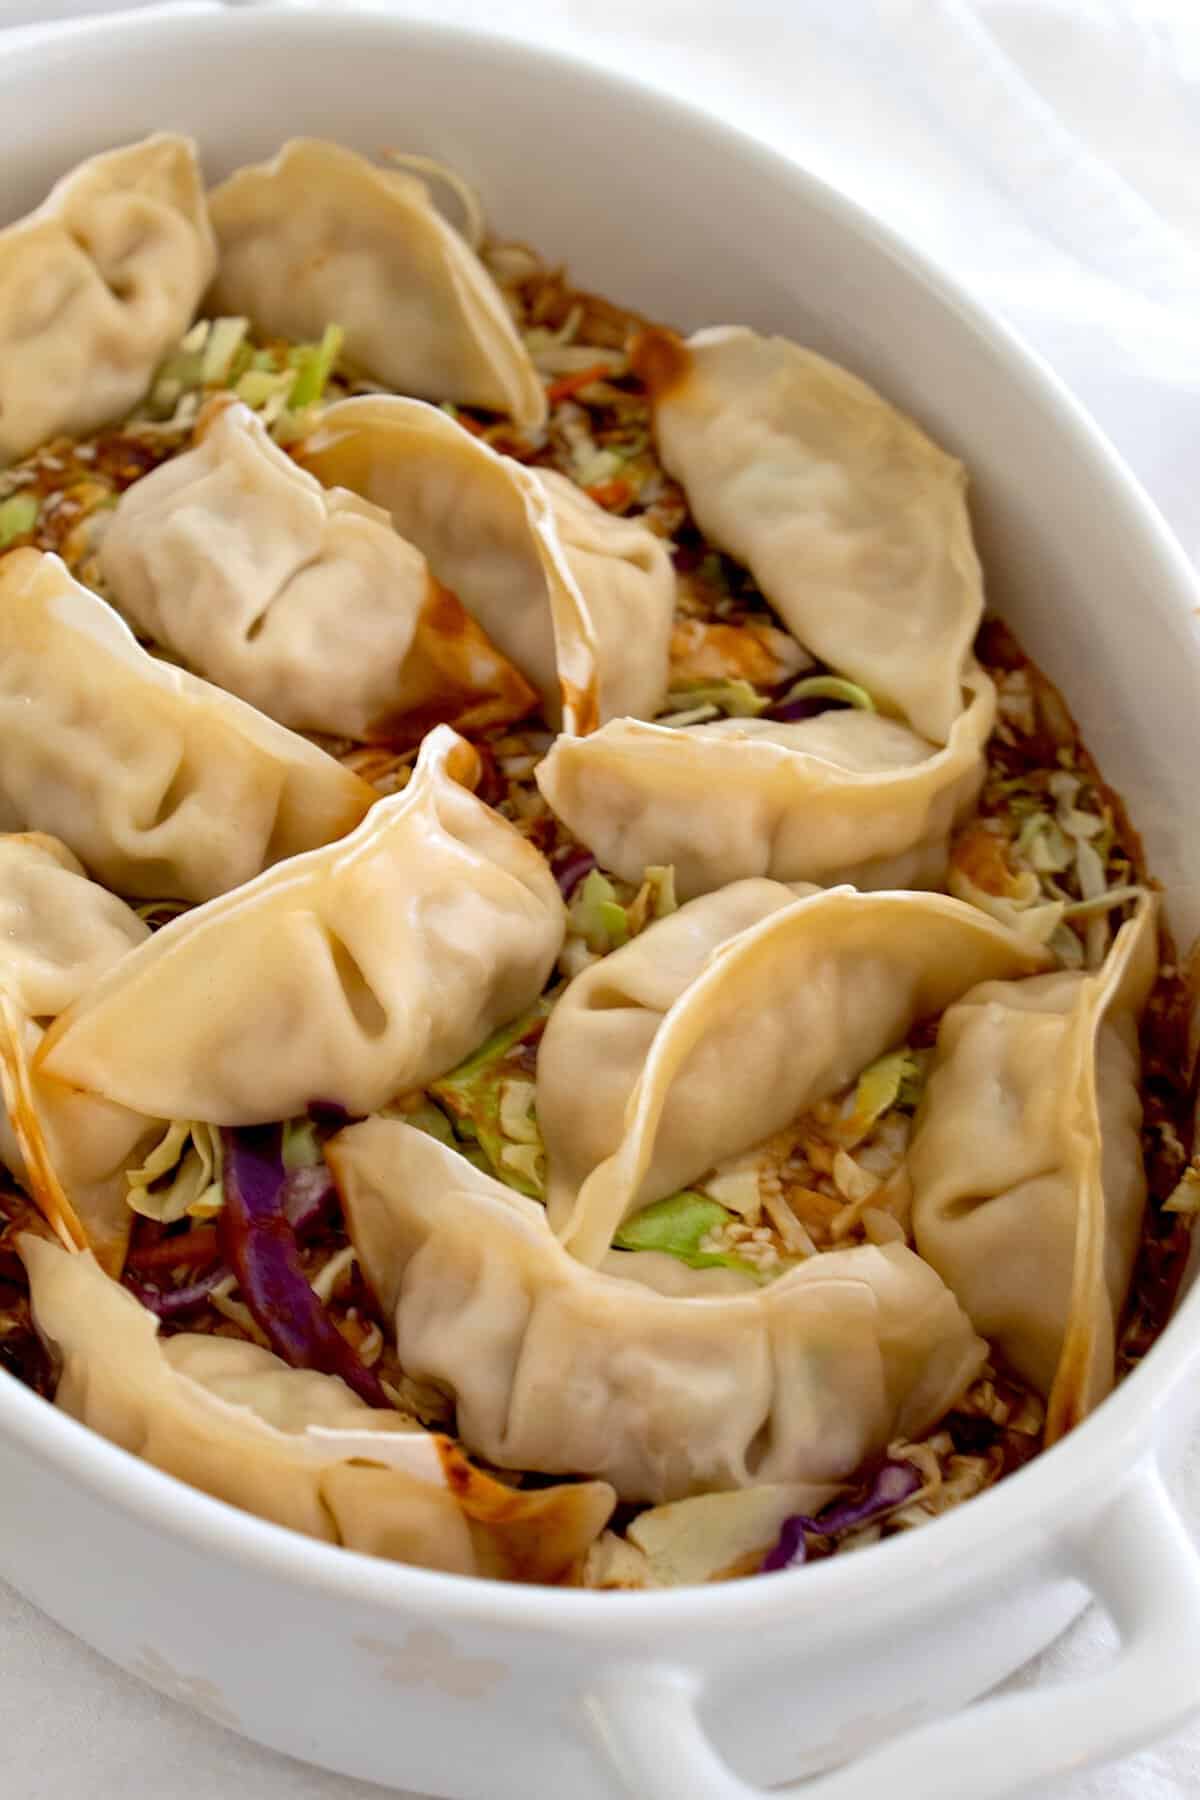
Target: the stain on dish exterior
pixel 196 1691
pixel 428 1658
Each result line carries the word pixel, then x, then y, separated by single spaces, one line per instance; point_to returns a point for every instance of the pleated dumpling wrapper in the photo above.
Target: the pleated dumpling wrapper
pixel 852 522
pixel 580 600
pixel 59 933
pixel 301 600
pixel 96 286
pixel 729 1019
pixel 564 1369
pixel 321 236
pixel 844 796
pixel 349 975
pixel 1026 1165
pixel 291 1445
pixel 162 785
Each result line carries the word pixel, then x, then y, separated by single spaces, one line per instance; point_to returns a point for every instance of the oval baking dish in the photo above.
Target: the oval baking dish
pixel 465 1688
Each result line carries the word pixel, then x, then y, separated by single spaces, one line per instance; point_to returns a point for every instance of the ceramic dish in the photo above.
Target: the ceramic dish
pixel 464 1688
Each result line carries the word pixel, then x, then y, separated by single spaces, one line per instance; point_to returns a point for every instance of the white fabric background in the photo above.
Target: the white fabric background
pixel 1048 153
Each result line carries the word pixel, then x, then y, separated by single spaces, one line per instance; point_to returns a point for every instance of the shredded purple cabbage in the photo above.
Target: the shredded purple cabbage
pixel 331 1115
pixel 260 1246
pixel 790 1549
pixel 788 711
pixel 308 1198
pixel 895 1483
pixel 569 865
pixel 688 555
pixel 170 1303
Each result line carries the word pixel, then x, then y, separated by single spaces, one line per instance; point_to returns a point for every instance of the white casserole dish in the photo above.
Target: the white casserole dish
pixel 471 1689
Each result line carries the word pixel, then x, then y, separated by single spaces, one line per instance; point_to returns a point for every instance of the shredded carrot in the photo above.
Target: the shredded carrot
pixel 612 494
pixel 566 385
pixel 980 854
pixel 198 1245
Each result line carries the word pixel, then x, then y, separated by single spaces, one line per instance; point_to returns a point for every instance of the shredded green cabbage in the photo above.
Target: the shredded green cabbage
pixel 523 1166
pixel 1102 903
pixel 591 467
pixel 259 386
pixel 491 1102
pixel 314 364
pixel 597 916
pixel 1043 844
pixel 18 516
pixel 604 913
pixel 892 1080
pixel 679 1226
pixel 735 698
pixel 301 1144
pixel 180 374
pixel 691 715
pixel 1017 910
pixel 517 1119
pixel 1090 870
pixel 661 881
pixel 428 1118
pixel 912 1082
pixel 324 1282
pixel 1076 823
pixel 1185 1195
pixel 830 687
pixel 1057 856
pixel 225 337
pixel 189 1154
pixel 1066 946
pixel 279 383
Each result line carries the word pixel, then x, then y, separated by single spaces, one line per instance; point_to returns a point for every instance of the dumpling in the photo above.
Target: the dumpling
pixel 349 975
pixel 1026 1166
pixel 96 286
pixel 579 600
pixel 625 576
pixel 667 1275
pixel 291 1445
pixel 852 522
pixel 610 1016
pixel 304 602
pixel 162 785
pixel 563 1369
pixel 59 932
pixel 320 236
pixel 844 796
pixel 704 1035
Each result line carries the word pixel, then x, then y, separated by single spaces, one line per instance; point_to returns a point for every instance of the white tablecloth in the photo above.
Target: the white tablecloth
pixel 1048 152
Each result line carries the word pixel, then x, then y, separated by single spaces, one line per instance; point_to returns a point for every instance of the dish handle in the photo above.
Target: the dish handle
pixel 1138 1561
